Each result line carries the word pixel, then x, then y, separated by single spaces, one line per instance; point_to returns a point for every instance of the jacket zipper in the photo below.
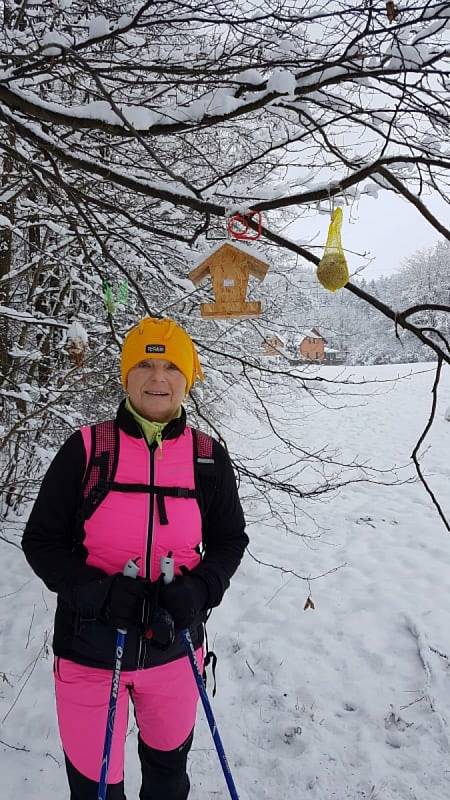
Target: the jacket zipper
pixel 142 640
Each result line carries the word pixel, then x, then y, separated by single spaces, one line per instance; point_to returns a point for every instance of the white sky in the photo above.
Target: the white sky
pixel 388 229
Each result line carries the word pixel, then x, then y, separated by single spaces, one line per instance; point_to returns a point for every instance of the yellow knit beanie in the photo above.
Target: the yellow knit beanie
pixel 162 339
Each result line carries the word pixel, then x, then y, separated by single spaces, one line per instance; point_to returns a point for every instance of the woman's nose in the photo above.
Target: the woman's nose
pixel 157 371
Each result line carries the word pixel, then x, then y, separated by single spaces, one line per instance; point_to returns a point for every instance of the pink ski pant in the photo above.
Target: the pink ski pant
pixel 164 699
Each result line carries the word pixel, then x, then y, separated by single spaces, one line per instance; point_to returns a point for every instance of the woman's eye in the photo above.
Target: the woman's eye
pixel 173 366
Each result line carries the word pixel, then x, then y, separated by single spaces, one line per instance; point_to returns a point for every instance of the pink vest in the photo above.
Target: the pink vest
pixel 127 525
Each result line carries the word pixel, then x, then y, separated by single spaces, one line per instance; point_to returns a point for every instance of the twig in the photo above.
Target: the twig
pixel 424 307
pixel 250 668
pixel 28 678
pixel 8 541
pixel 414 454
pixel 439 653
pixel 413 702
pixel 31 623
pixel 280 589
pixel 295 574
pixel 49 755
pixel 13 747
pixel 10 594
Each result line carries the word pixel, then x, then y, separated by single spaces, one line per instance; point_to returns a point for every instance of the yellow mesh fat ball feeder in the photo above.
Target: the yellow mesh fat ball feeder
pixel 332 270
pixel 162 339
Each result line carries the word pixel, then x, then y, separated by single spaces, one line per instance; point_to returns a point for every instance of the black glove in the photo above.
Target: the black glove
pixel 161 629
pixel 123 606
pixel 184 598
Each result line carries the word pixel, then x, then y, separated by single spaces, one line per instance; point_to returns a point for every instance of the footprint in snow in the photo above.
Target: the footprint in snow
pixel 291 733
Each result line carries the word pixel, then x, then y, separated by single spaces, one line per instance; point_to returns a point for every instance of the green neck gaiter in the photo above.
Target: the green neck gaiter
pixel 151 430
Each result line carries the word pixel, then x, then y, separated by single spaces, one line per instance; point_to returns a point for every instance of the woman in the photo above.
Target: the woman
pixel 142 487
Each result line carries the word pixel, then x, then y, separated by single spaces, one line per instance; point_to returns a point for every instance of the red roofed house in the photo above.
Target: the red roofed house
pixel 312 346
pixel 273 345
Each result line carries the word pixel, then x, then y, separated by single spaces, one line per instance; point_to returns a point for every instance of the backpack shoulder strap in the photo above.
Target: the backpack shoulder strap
pixel 203 447
pixel 205 472
pixel 102 457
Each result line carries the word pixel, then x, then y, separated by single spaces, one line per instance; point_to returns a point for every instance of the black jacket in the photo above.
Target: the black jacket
pixel 54 549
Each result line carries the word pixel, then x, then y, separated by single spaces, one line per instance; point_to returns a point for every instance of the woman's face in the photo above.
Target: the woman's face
pixel 156 389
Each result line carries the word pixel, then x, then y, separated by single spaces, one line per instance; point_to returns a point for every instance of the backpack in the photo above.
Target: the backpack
pixel 99 476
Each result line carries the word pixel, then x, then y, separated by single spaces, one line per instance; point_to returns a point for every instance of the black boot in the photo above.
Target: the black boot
pixel 164 775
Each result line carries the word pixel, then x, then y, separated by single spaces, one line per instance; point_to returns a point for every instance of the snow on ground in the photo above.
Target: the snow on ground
pixel 350 700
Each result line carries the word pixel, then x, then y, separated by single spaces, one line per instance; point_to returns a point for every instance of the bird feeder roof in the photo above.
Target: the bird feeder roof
pixel 254 263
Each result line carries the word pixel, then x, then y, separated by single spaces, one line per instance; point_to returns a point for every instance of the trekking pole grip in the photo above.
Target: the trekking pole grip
pixel 130 569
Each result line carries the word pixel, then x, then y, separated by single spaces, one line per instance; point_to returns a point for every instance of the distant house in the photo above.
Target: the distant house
pixel 273 345
pixel 312 346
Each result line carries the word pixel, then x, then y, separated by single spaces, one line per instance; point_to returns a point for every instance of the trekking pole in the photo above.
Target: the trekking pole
pixel 167 571
pixel 130 570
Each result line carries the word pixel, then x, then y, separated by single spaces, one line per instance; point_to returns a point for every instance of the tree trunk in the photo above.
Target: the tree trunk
pixel 7 210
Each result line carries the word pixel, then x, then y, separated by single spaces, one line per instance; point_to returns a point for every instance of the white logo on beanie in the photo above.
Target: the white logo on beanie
pixel 155 348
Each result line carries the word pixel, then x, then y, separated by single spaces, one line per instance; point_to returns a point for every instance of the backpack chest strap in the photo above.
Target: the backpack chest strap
pixel 102 449
pixel 159 491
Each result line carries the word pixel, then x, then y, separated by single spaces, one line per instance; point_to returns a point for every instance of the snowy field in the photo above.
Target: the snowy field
pixel 350 700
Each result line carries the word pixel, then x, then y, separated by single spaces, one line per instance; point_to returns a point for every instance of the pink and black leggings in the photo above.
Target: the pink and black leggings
pixel 165 703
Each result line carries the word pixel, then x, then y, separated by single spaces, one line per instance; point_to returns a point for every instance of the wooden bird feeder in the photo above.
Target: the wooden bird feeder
pixel 230 267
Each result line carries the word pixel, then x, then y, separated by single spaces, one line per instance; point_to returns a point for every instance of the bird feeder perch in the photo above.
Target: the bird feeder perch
pixel 229 268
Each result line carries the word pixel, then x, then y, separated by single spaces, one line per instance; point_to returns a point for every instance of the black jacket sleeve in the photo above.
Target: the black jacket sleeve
pixel 224 530
pixel 48 540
